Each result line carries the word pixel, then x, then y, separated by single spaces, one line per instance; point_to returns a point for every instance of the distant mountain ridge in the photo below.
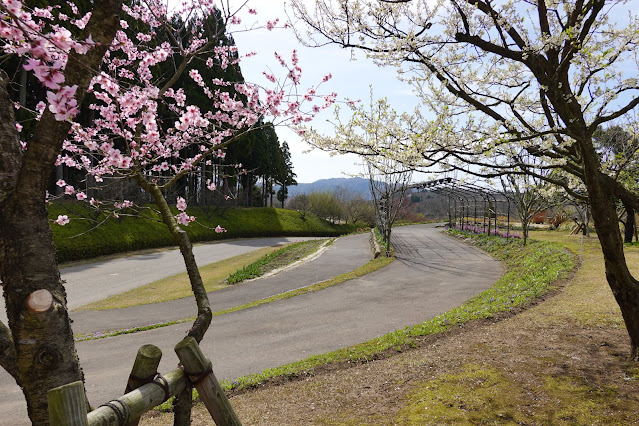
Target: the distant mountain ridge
pixel 356 185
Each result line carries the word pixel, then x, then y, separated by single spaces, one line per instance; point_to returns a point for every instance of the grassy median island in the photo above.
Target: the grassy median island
pixel 276 259
pixel 562 361
pixel 215 275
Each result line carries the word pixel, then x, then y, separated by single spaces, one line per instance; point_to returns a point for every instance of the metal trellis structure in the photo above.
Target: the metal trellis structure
pixel 466 199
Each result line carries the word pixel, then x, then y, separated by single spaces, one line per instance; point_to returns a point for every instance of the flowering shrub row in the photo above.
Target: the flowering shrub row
pixel 476 229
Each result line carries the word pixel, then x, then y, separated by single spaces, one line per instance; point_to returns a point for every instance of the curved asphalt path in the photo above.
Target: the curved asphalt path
pixel 433 274
pixel 123 273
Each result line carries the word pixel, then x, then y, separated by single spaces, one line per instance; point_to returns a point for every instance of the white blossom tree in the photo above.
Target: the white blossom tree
pixel 388 181
pixel 539 75
pixel 530 195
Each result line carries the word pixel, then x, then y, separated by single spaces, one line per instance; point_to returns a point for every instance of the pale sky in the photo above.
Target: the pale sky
pixel 351 79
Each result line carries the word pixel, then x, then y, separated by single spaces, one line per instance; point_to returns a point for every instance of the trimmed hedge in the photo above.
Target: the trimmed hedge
pixel 83 238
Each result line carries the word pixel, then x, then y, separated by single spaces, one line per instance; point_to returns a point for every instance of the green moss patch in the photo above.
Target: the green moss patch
pixel 484 395
pixel 575 401
pixel 476 395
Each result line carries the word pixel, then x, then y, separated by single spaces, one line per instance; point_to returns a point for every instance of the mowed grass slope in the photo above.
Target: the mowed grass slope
pixel 82 239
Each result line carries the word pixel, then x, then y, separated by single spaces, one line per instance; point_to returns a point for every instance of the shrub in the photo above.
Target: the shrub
pixel 89 235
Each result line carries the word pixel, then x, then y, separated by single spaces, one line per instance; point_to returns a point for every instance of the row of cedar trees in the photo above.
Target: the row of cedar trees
pixel 252 168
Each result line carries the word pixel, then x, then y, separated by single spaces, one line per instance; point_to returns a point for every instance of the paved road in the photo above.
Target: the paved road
pixel 115 276
pixel 342 256
pixel 433 274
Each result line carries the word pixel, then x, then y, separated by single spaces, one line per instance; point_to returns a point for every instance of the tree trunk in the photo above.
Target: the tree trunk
pixel 624 286
pixel 40 353
pixel 46 356
pixel 22 97
pixel 630 224
pixel 59 175
pixel 42 340
pixel 180 236
pixel 182 405
pixel 270 191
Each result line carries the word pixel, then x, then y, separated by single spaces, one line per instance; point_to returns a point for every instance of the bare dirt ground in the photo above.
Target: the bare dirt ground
pixel 562 361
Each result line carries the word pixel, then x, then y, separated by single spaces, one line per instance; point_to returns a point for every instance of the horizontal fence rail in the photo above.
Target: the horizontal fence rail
pixel 68 406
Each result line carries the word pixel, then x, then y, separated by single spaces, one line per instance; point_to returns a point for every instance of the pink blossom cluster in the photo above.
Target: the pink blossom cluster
pixel 34 34
pixel 125 137
pixel 271 24
pixel 183 218
pixel 62 220
pixel 122 205
pixel 62 103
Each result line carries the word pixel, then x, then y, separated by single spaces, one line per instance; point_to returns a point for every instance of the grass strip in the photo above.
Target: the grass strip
pixel 369 267
pixel 531 272
pixel 275 259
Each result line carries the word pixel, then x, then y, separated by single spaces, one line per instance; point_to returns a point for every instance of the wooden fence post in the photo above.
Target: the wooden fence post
pixel 198 369
pixel 144 370
pixel 67 405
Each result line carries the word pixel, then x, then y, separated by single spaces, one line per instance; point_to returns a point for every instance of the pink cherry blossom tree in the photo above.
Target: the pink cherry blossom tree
pixel 124 70
pixel 37 346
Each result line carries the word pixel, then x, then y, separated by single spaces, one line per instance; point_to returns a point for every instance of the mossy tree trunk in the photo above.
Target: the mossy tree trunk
pixel 624 286
pixel 629 226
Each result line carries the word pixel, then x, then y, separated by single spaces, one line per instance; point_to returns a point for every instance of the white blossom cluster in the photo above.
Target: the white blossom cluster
pixel 497 76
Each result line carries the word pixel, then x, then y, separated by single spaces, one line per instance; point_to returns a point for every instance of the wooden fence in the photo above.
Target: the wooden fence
pixel 145 390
